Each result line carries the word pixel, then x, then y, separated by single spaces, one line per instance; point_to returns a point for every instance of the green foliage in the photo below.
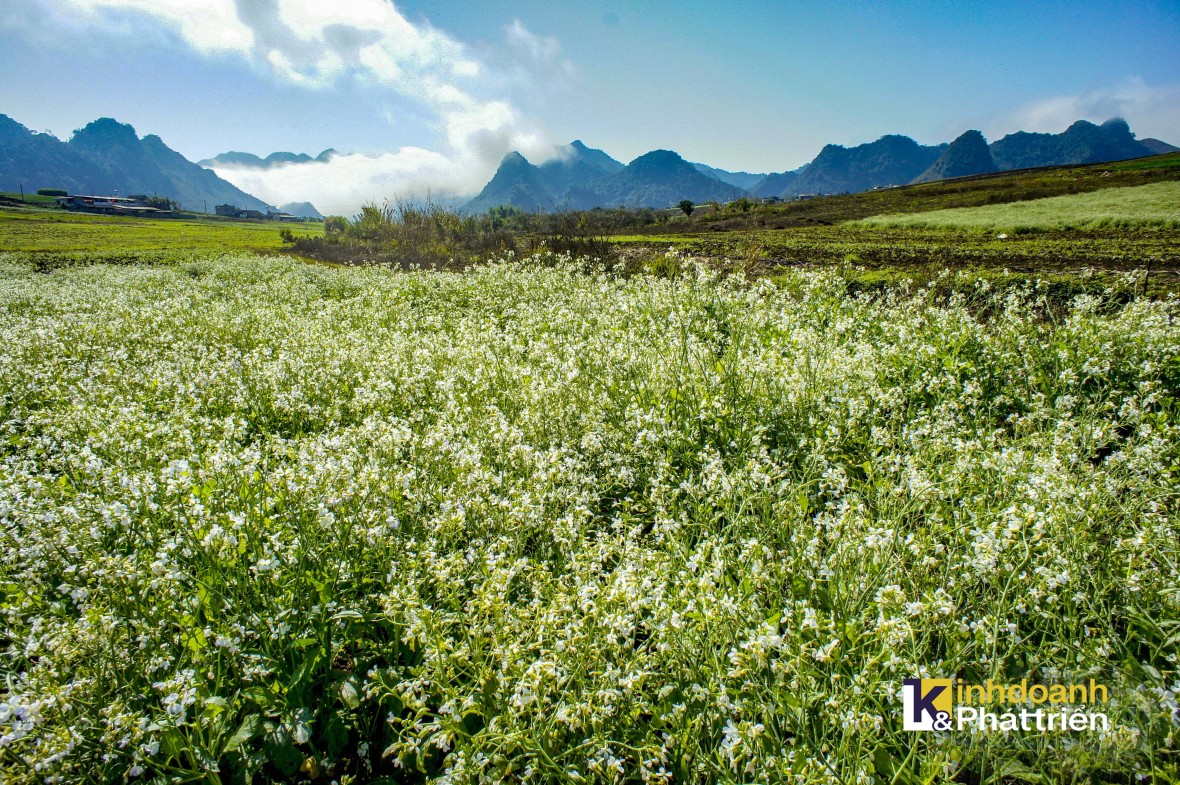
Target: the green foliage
pixel 742 205
pixel 161 203
pixel 269 521
pixel 52 192
pixel 407 234
pixel 686 206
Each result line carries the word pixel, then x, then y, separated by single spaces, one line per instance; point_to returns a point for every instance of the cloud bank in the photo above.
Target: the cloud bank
pixel 1150 110
pixel 316 44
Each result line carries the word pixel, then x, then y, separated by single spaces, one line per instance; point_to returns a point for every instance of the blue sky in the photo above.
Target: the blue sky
pixel 430 95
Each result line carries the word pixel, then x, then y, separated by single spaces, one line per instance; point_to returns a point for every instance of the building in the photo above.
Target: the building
pixel 233 211
pixel 111 205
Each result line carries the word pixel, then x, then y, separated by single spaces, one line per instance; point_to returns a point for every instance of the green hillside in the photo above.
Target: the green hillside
pixel 1155 204
pixel 997 188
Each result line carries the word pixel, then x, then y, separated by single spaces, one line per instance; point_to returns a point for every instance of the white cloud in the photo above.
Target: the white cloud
pixel 1150 110
pixel 528 59
pixel 316 44
pixel 208 25
pixel 340 185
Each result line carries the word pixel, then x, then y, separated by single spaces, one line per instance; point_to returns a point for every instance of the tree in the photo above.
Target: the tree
pixel 686 205
pixel 161 203
pixel 52 192
pixel 742 205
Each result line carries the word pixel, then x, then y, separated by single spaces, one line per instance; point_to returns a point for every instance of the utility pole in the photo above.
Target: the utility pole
pixel 22 192
pixel 204 206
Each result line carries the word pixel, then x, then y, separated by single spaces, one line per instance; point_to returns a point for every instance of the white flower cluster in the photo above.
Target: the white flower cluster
pixel 532 523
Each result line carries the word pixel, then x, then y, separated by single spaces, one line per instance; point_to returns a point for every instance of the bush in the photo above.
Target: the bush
pixel 406 234
pixel 52 192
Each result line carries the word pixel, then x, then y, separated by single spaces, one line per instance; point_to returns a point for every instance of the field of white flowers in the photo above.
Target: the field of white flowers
pixel 263 520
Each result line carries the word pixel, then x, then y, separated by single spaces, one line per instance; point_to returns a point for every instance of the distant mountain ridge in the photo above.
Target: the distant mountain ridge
pixel 557 184
pixel 249 160
pixel 107 157
pixel 967 155
pixel 1081 143
pixel 582 178
pixel 1157 147
pixel 892 160
pixel 302 209
pixel 660 178
pixel 742 180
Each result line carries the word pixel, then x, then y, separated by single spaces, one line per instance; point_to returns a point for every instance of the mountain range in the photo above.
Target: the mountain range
pixel 583 178
pixel 251 161
pixel 302 209
pixel 108 157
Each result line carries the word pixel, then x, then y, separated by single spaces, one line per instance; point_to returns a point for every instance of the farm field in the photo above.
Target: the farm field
pixel 31 199
pixel 1156 204
pixel 273 520
pixel 65 235
pixel 1086 239
pixel 1075 261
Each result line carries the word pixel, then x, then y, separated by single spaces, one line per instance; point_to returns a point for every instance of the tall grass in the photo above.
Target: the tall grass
pixel 268 521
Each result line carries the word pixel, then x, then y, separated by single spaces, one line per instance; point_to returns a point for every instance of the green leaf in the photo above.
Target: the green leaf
pixel 286 758
pixel 883 761
pixel 348 694
pixel 1014 769
pixel 214 705
pixel 259 696
pixel 245 732
pixel 473 723
pixel 334 736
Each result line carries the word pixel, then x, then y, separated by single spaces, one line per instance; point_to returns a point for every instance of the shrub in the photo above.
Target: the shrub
pixel 406 234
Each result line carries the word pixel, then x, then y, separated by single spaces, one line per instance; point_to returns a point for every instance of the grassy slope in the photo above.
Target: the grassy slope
pixel 60 232
pixel 1155 204
pixel 35 199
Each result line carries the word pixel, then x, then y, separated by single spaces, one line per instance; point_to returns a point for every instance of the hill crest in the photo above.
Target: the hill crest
pixel 107 157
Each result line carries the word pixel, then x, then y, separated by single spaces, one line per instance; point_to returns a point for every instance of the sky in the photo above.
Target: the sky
pixel 425 97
